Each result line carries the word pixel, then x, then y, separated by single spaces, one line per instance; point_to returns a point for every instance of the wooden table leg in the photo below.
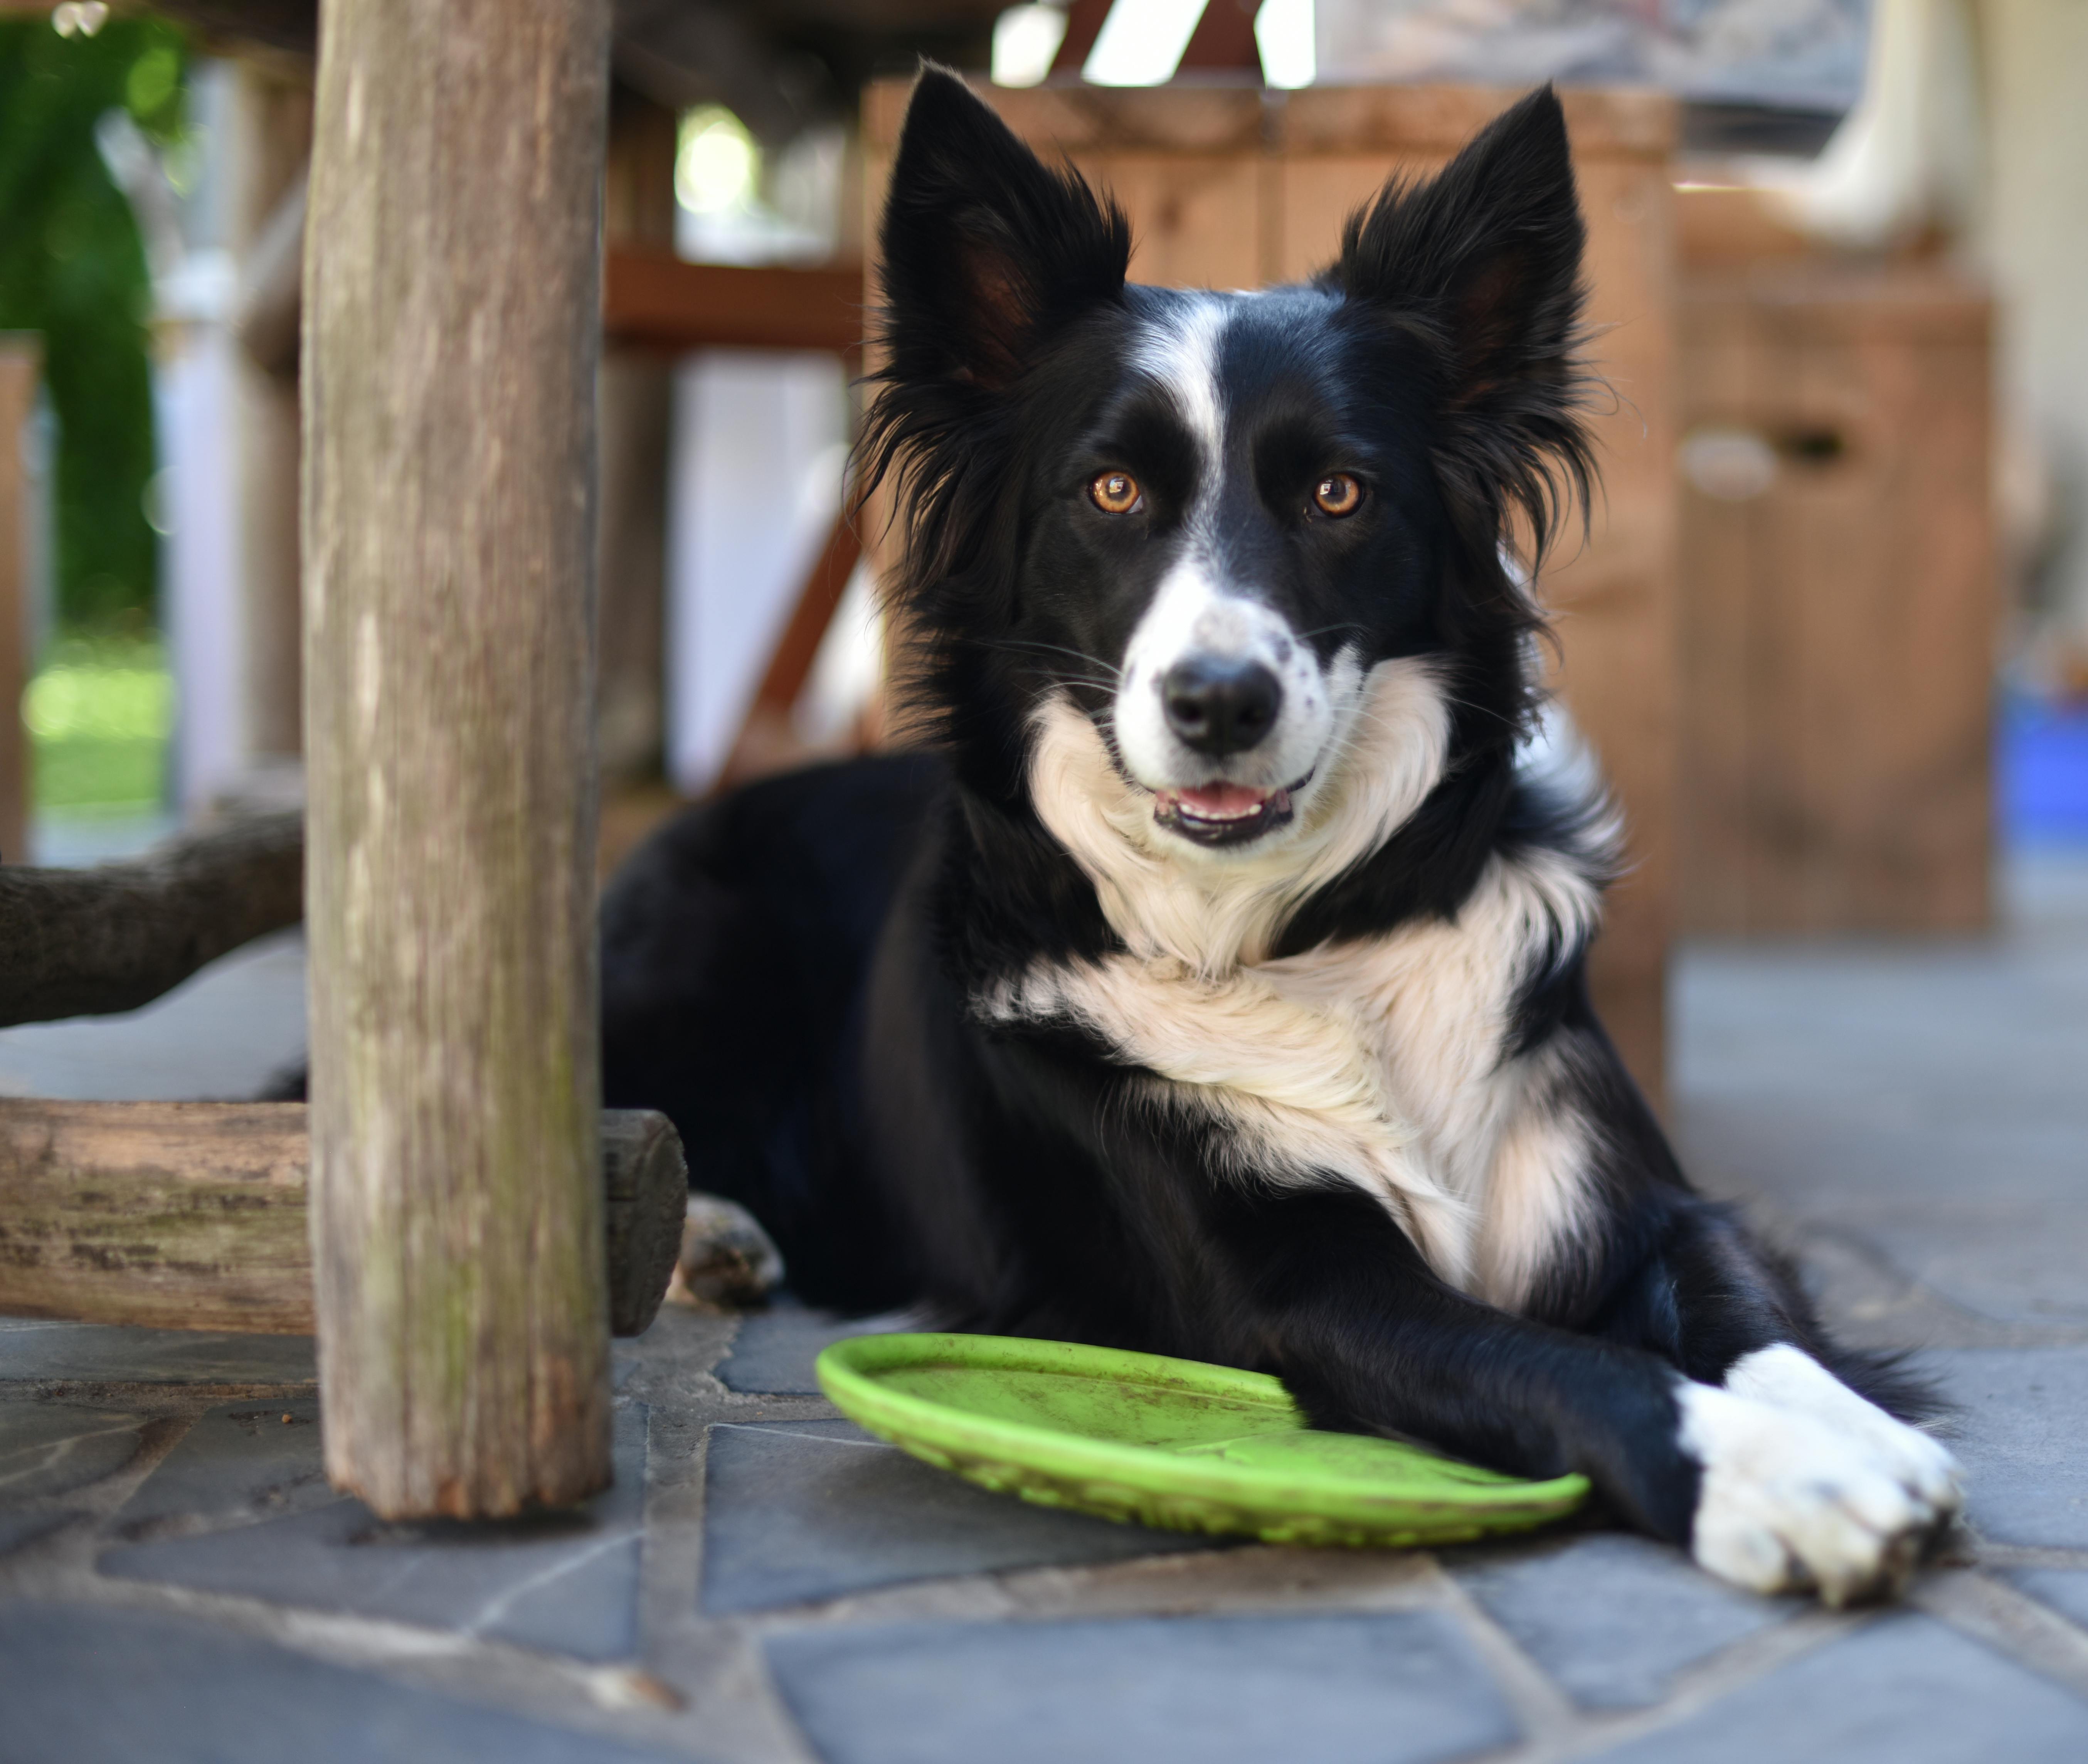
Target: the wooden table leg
pixel 452 332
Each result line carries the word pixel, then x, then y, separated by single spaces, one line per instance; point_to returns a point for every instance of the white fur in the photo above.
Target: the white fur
pixel 1378 1062
pixel 1787 1377
pixel 1432 1004
pixel 1790 1500
pixel 1212 911
pixel 1180 350
pixel 1194 615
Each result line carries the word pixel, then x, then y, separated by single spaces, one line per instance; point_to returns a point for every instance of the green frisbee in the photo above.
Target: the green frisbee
pixel 1165 1442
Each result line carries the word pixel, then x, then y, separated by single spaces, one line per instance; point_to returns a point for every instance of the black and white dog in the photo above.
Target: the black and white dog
pixel 1215 987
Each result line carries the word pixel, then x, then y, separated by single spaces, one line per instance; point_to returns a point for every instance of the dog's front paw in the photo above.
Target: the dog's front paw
pixel 1789 1501
pixel 1787 1377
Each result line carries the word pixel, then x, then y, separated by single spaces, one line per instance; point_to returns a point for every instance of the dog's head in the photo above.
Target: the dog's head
pixel 1207 523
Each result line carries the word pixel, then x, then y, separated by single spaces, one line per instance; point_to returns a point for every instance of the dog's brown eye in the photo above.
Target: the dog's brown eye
pixel 1337 494
pixel 1115 493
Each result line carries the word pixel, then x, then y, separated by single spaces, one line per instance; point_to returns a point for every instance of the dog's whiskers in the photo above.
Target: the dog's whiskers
pixel 1115 674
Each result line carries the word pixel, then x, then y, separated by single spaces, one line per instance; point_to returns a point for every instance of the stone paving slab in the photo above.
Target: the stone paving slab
pixel 2022 1436
pixel 1904 1688
pixel 2065 1590
pixel 102 1353
pixel 1991 1214
pixel 17 1529
pixel 1924 1097
pixel 773 1352
pixel 1401 1687
pixel 566 1583
pixel 1613 1618
pixel 49 1448
pixel 240 1459
pixel 81 1684
pixel 811 1510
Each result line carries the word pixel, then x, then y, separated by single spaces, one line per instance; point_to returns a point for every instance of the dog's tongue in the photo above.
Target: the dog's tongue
pixel 1222 802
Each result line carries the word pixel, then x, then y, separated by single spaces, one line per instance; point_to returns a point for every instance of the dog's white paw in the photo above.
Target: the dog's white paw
pixel 1789 1500
pixel 1787 1377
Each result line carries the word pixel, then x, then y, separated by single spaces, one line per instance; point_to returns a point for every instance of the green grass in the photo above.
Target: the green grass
pixel 99 712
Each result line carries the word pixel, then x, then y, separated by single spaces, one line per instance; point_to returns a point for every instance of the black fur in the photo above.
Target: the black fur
pixel 793 972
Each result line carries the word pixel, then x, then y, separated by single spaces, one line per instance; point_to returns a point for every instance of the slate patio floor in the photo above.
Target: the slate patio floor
pixel 764 1582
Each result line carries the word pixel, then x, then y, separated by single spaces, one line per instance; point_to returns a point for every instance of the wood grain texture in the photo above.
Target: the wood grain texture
pixel 272 131
pixel 634 409
pixel 452 331
pixel 21 371
pixel 83 943
pixel 1841 625
pixel 654 299
pixel 1229 188
pixel 193 1215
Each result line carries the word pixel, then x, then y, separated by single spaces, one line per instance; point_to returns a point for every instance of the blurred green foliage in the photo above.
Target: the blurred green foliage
pixel 99 713
pixel 72 265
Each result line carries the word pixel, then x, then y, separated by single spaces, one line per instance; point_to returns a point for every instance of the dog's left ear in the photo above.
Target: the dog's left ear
pixel 987 252
pixel 1488 252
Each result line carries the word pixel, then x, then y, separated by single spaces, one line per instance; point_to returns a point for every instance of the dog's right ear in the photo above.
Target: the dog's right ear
pixel 987 252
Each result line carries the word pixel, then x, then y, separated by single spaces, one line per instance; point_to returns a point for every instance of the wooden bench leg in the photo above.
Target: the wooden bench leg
pixel 193 1215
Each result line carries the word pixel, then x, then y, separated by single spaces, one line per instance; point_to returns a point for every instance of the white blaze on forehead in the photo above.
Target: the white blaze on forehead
pixel 1197 611
pixel 1179 350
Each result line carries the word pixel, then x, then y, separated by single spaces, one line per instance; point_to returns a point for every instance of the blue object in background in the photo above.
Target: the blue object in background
pixel 2042 753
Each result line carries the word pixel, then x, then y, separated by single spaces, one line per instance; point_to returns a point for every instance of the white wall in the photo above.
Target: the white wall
pixel 193 394
pixel 759 444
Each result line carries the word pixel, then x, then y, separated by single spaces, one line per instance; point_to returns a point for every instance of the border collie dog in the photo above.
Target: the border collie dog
pixel 1214 984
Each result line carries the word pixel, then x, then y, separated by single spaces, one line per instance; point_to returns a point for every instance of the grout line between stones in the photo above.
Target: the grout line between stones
pixel 1698 1686
pixel 1546 1714
pixel 602 1697
pixel 2011 1622
pixel 1993 1556
pixel 1944 1323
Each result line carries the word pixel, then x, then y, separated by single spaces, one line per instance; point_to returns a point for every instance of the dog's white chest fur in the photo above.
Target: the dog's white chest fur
pixel 1381 1063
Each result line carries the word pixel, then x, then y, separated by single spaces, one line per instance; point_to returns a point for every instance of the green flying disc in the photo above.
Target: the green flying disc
pixel 1165 1442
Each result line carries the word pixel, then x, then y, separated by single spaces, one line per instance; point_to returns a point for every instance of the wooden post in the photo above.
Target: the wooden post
pixel 636 408
pixel 272 127
pixel 453 331
pixel 21 368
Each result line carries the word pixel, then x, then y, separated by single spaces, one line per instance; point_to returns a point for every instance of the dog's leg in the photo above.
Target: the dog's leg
pixel 1334 1297
pixel 1770 1496
pixel 1806 1482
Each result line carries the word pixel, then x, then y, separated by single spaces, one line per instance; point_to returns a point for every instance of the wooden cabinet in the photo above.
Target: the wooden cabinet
pixel 1232 187
pixel 1840 599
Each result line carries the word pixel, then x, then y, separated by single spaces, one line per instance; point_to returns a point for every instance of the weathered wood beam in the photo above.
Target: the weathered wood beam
pixel 192 1215
pixel 82 943
pixel 653 299
pixel 452 331
pixel 1084 23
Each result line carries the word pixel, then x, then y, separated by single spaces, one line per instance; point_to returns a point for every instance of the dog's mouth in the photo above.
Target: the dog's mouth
pixel 1223 814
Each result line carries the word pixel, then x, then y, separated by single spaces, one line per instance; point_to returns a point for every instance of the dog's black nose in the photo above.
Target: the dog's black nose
pixel 1219 706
